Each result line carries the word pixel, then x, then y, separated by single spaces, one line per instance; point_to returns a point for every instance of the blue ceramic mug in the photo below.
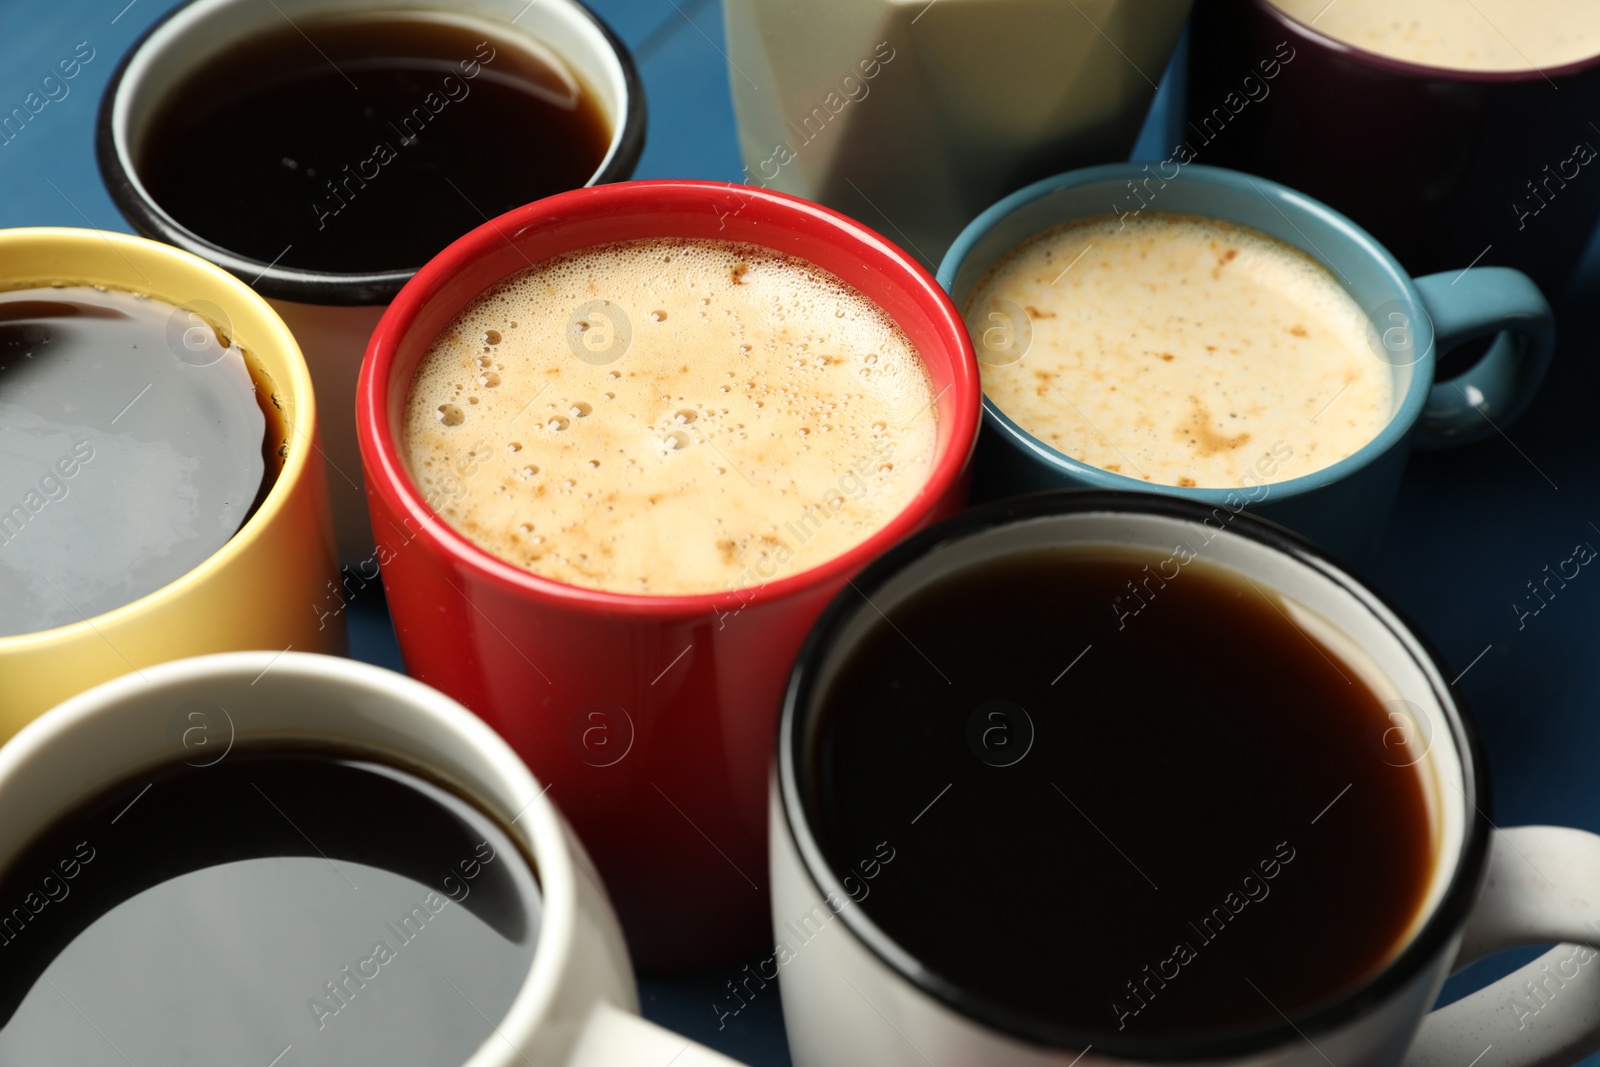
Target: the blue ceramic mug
pixel 1344 506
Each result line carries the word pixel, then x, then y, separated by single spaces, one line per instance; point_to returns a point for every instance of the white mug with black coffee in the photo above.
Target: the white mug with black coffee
pixel 293 859
pixel 1097 777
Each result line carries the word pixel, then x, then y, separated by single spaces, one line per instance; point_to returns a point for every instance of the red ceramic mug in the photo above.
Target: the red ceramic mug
pixel 652 718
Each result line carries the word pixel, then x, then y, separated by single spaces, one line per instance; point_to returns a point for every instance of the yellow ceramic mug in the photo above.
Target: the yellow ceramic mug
pixel 261 590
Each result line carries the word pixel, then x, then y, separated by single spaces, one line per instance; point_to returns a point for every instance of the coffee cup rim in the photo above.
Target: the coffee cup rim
pixel 387 474
pixel 538 825
pixel 296 384
pixel 1423 71
pixel 1435 935
pixel 1287 200
pixel 336 288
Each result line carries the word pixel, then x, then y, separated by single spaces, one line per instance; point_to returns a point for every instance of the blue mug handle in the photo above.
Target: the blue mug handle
pixel 1488 397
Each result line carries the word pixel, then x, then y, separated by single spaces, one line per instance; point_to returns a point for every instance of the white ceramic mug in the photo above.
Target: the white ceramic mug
pixel 577 1006
pixel 332 314
pixel 851 995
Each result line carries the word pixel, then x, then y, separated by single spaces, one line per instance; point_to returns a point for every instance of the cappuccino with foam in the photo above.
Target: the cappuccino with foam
pixel 669 417
pixel 1460 34
pixel 1180 350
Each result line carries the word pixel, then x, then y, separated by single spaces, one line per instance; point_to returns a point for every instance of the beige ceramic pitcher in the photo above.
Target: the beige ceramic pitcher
pixel 913 116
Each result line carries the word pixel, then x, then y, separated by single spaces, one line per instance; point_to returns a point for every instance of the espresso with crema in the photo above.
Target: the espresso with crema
pixel 1179 350
pixel 670 417
pixel 1460 35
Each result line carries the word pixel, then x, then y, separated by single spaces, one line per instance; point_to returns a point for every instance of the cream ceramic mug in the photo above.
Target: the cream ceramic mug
pixel 577 1005
pixel 915 115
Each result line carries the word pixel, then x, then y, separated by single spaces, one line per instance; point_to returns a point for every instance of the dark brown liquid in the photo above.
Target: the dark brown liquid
pixel 312 905
pixel 366 143
pixel 1199 825
pixel 134 442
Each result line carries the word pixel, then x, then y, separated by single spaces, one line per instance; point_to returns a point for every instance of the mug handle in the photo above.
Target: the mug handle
pixel 613 1037
pixel 1489 396
pixel 1543 885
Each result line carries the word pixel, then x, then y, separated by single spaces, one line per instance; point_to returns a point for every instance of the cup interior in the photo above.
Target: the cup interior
pixel 1361 265
pixel 601 215
pixel 1312 35
pixel 145 720
pixel 1343 614
pixel 197 31
pixel 45 256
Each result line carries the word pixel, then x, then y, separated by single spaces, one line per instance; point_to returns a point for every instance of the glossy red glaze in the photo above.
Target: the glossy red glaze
pixel 685 688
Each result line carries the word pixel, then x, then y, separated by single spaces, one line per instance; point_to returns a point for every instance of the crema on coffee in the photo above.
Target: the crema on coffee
pixel 670 417
pixel 1180 351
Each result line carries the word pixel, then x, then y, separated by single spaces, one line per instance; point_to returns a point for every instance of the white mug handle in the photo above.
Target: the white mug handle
pixel 1543 885
pixel 613 1037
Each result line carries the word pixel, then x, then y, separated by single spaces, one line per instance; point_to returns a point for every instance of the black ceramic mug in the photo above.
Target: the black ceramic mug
pixel 1443 166
pixel 332 311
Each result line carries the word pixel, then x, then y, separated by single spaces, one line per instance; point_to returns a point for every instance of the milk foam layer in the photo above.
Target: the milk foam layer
pixel 762 418
pixel 1181 351
pixel 1460 34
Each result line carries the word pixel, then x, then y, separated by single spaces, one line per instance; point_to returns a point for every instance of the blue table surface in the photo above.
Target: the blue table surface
pixel 1472 527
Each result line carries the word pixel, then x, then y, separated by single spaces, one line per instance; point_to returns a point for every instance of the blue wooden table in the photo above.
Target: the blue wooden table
pixel 1472 529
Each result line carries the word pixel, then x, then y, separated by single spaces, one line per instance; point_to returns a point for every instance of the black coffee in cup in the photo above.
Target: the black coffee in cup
pixel 367 142
pixel 1127 793
pixel 136 438
pixel 318 905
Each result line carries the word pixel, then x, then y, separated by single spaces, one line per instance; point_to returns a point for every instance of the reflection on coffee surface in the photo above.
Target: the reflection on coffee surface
pixel 304 904
pixel 1460 34
pixel 367 142
pixel 1179 350
pixel 1127 793
pixel 669 416
pixel 135 440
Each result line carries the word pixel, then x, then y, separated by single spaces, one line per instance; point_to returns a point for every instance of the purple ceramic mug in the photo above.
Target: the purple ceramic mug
pixel 1443 166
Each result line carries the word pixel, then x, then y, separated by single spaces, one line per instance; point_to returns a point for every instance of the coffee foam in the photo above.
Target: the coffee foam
pixel 763 418
pixel 1480 35
pixel 1183 351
